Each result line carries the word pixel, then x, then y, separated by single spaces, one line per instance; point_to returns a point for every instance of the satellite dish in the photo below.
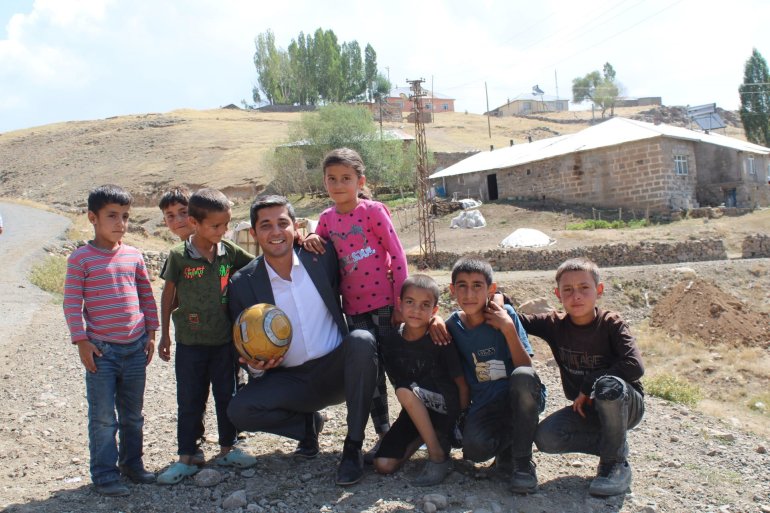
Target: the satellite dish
pixel 536 90
pixel 403 96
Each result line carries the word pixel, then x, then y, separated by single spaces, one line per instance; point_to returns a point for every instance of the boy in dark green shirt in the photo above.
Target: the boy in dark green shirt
pixel 197 273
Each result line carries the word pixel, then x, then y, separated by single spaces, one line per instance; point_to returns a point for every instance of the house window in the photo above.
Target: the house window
pixel 400 105
pixel 461 180
pixel 680 165
pixel 445 106
pixel 750 166
pixel 526 106
pixel 429 106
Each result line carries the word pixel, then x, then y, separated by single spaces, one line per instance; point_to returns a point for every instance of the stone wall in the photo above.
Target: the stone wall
pixel 609 255
pixel 637 175
pixel 756 246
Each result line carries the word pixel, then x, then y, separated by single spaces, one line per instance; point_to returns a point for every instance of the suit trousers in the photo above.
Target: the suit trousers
pixel 278 401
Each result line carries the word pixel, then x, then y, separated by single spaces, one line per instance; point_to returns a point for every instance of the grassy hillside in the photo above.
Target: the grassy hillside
pixel 223 148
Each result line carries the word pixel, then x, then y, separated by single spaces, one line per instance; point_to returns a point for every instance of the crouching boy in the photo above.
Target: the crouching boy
pixel 600 367
pixel 429 384
pixel 506 393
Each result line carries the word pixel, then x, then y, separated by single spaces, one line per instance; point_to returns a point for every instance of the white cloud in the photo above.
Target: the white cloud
pixel 75 59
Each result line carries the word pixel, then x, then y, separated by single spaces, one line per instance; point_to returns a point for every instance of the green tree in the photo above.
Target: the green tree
pixel 354 85
pixel 302 71
pixel 601 89
pixel 370 70
pixel 388 163
pixel 315 69
pixel 267 61
pixel 755 100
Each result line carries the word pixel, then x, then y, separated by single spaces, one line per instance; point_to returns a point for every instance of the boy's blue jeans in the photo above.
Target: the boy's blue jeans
pixel 617 407
pixel 117 385
pixel 507 423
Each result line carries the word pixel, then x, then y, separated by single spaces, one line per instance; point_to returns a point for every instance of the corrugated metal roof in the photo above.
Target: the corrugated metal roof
pixel 610 133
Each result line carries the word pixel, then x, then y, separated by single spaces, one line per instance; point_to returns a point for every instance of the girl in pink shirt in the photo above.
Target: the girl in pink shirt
pixel 367 248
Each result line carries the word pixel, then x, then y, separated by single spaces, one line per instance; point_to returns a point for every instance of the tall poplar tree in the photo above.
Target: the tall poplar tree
pixel 755 100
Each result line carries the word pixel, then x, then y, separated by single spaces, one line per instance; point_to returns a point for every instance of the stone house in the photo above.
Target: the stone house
pixel 529 103
pixel 431 102
pixel 619 163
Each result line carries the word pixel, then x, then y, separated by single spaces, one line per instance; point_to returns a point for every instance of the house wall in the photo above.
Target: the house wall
pixel 636 175
pixel 722 169
pixel 533 106
pixel 428 104
pixel 639 102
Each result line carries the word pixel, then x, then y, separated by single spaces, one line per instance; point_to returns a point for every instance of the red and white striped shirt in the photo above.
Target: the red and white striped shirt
pixel 107 295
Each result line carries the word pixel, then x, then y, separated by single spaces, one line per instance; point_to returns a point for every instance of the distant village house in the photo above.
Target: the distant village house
pixel 620 163
pixel 530 103
pixel 432 101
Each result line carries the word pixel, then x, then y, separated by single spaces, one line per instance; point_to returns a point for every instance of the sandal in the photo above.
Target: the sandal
pixel 176 472
pixel 236 458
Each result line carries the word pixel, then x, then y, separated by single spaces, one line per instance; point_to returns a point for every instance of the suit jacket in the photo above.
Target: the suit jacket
pixel 251 285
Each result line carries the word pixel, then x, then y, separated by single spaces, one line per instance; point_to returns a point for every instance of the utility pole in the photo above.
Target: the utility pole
pixel 426 228
pixel 489 123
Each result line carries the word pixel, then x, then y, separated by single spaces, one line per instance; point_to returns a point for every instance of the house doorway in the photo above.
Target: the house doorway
pixel 492 187
pixel 731 198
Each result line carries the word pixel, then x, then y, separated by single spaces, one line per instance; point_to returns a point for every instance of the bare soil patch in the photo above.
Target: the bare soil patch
pixel 700 308
pixel 503 217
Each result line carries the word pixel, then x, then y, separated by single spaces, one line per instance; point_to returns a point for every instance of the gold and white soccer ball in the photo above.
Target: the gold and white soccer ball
pixel 262 332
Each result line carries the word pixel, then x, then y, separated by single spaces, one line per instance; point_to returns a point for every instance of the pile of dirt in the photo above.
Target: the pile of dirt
pixel 701 309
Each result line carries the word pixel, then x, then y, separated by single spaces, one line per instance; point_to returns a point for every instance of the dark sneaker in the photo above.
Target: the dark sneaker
pixel 351 468
pixel 137 475
pixel 308 446
pixel 503 465
pixel 611 479
pixel 523 475
pixel 433 473
pixel 112 489
pixel 370 454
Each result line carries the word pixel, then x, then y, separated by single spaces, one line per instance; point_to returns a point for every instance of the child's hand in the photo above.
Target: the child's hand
pixel 149 348
pixel 314 243
pixel 497 316
pixel 438 332
pixel 87 352
pixel 164 348
pixel 581 401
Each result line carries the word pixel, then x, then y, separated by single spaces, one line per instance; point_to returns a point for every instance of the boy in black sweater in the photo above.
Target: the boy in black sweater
pixel 600 368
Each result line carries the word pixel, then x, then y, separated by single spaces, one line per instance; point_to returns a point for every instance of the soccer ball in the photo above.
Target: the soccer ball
pixel 262 332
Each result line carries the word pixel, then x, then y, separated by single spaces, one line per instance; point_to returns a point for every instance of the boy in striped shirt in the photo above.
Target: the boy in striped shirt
pixel 111 314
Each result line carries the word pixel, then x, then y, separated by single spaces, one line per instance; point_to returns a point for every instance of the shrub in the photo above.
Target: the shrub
pixel 673 389
pixel 49 274
pixel 601 224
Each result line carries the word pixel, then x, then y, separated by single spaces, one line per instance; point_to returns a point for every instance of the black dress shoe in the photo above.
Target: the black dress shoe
pixel 308 447
pixel 351 468
pixel 112 489
pixel 138 475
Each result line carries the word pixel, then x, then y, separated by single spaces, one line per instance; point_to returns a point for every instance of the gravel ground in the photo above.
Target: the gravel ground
pixel 683 461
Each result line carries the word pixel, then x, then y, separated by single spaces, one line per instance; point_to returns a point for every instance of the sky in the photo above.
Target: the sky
pixel 63 60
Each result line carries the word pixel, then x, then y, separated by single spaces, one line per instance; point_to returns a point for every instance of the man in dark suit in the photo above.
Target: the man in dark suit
pixel 325 364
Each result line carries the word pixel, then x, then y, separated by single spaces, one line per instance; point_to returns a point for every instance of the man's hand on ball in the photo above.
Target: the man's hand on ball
pixel 262 366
